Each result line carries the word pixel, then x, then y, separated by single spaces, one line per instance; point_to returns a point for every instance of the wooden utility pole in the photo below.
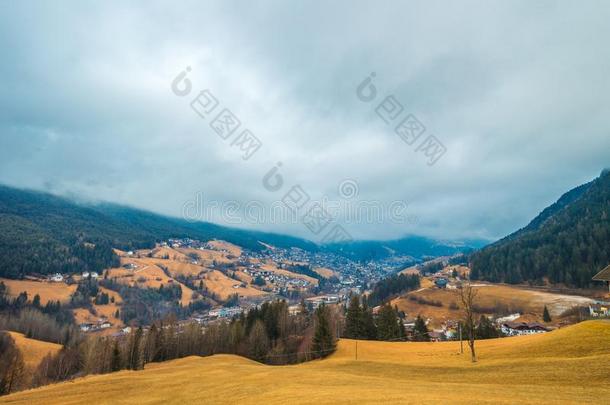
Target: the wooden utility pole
pixel 461 343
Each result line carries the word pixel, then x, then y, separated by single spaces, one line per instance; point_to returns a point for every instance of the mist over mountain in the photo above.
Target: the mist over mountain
pixel 42 233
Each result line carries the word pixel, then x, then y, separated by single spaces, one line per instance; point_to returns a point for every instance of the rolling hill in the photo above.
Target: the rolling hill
pixel 570 365
pixel 567 243
pixel 33 350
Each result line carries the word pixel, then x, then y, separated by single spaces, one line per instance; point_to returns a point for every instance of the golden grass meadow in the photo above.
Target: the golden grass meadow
pixel 570 365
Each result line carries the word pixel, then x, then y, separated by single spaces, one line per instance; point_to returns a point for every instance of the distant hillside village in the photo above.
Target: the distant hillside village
pixel 214 281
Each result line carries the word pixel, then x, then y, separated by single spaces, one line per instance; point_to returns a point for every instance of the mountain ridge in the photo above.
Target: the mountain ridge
pixel 44 233
pixel 567 243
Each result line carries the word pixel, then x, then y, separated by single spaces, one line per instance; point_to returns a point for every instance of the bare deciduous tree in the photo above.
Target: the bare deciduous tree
pixel 467 296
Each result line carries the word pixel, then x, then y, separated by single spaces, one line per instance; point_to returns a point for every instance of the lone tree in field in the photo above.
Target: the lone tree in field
pixel 546 317
pixel 467 297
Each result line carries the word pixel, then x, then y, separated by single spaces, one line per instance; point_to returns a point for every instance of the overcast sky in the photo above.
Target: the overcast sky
pixel 517 92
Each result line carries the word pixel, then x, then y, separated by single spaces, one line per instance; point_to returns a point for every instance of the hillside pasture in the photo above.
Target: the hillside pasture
pixel 325 272
pixel 146 275
pixel 221 245
pixel 272 267
pixel 33 350
pixel 206 257
pixel 48 291
pixel 567 366
pixel 224 286
pixel 489 296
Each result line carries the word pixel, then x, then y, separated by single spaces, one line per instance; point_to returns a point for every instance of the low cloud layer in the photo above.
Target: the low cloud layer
pixel 518 93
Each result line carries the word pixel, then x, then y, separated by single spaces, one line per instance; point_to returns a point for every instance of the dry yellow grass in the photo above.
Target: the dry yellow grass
pixel 161 252
pixel 48 291
pixel 571 365
pixel 83 315
pixel 229 247
pixel 147 274
pixel 272 267
pixel 206 256
pixel 185 269
pixel 33 350
pixel 324 272
pixel 221 285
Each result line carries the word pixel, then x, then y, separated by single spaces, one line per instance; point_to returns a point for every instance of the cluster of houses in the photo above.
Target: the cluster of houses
pixel 351 274
pixel 61 278
pixel 507 325
pixel 101 324
pixel 188 243
pixel 229 312
pixel 522 328
pixel 315 302
pixel 279 280
pixel 219 313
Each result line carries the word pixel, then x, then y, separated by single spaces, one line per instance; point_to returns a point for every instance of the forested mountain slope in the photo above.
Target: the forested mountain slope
pixel 42 233
pixel 567 243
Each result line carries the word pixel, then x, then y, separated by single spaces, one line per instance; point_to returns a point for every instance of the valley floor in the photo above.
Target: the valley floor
pixel 570 365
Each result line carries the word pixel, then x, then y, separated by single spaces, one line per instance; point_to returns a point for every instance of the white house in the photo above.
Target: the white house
pixel 57 278
pixel 523 328
pixel 85 327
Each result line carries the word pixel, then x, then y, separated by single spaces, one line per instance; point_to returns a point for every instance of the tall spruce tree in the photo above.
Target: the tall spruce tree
pixel 354 320
pixel 420 330
pixel 546 317
pixel 370 329
pixel 323 342
pixel 388 327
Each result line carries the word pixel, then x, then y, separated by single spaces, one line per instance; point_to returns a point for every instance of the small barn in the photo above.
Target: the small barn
pixel 603 275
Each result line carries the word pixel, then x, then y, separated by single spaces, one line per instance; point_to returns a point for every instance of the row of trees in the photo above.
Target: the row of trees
pixel 267 334
pixel 360 323
pixel 391 286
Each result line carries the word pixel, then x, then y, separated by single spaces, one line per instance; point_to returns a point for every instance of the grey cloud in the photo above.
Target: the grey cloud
pixel 518 92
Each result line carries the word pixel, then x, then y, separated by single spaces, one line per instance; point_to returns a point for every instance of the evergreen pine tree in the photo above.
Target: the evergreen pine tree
pixel 546 317
pixel 388 327
pixel 323 342
pixel 370 329
pixel 420 331
pixel 354 320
